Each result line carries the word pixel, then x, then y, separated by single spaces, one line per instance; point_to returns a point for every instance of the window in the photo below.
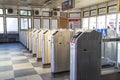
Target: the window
pixel 85 23
pixel 37 23
pixel 46 23
pixel 25 12
pixel 100 22
pixel 30 25
pixel 1 11
pixel 1 25
pixel 92 23
pixel 25 23
pixel 111 21
pixel 12 25
pixel 54 24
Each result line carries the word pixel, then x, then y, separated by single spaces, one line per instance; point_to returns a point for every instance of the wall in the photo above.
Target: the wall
pixel 86 3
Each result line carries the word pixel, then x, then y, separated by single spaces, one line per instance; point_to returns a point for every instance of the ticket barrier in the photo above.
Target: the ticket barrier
pixel 60 47
pixel 85 56
pixel 46 48
pixel 23 37
pixel 34 39
pixel 30 38
pixel 39 44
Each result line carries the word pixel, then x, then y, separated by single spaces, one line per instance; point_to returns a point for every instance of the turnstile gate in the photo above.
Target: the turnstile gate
pixel 60 56
pixel 85 56
pixel 46 50
pixel 34 39
pixel 39 44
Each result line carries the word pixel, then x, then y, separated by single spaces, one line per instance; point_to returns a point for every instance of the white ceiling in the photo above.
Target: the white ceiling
pixel 42 3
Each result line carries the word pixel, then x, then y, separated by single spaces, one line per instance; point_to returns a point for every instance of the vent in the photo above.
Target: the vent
pixel 36 13
pixel 10 10
pixel 55 13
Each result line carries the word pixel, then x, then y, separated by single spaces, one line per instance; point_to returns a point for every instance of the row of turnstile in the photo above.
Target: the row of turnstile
pixel 66 50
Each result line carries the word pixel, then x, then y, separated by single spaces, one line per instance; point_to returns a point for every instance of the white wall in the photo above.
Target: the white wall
pixel 86 3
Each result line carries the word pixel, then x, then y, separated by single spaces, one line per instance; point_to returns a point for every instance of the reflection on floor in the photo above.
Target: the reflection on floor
pixel 16 63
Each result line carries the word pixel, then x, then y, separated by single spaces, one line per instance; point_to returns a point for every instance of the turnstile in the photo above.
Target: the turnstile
pixel 85 56
pixel 46 50
pixel 60 55
pixel 34 39
pixel 30 38
pixel 39 44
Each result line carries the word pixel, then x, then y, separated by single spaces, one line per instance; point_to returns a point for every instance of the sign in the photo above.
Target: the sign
pixel 75 15
pixel 112 9
pixel 86 14
pixel 74 23
pixel 102 11
pixel 67 5
pixel 93 12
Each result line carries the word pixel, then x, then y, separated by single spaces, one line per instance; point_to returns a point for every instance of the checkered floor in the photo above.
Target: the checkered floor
pixel 16 63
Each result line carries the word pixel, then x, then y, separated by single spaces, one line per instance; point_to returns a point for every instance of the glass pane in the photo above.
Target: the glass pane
pixel 92 23
pixel 109 58
pixel 46 23
pixel 111 21
pixel 12 25
pixel 24 23
pixel 85 23
pixel 100 22
pixel 23 12
pixel 1 25
pixel 29 13
pixel 30 24
pixel 111 25
pixel 118 25
pixel 1 11
pixel 37 23
pixel 54 24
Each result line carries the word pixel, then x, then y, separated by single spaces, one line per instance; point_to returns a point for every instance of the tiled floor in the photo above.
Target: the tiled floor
pixel 16 63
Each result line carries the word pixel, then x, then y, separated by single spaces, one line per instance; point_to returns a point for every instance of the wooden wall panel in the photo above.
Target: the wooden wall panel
pixel 63 23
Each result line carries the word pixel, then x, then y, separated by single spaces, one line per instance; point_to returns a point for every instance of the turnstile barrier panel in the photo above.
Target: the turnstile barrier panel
pixel 86 64
pixel 61 55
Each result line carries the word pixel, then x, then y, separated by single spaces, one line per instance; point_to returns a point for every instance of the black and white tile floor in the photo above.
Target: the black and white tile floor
pixel 16 63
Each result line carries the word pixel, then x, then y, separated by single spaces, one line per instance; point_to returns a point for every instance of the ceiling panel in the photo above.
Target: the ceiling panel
pixel 43 3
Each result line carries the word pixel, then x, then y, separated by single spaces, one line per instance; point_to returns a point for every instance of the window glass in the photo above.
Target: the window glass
pixel 92 23
pixel 24 23
pixel 30 24
pixel 85 23
pixel 1 11
pixel 25 12
pixel 12 25
pixel 46 23
pixel 100 22
pixel 111 21
pixel 1 25
pixel 37 23
pixel 54 24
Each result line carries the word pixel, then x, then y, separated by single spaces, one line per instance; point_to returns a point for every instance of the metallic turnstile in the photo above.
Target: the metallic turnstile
pixel 30 38
pixel 34 39
pixel 46 47
pixel 39 44
pixel 60 55
pixel 85 56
